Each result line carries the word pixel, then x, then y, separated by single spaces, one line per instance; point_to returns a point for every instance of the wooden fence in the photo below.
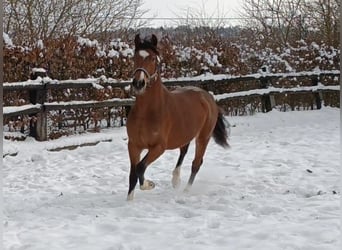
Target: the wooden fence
pixel 267 89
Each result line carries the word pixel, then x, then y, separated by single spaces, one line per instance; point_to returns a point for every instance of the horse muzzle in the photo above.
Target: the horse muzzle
pixel 138 86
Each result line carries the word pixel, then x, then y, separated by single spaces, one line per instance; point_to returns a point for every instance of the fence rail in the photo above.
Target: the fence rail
pixel 39 87
pixel 21 110
pixel 47 83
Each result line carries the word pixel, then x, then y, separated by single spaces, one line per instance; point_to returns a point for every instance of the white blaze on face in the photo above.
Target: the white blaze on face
pixel 143 53
pixel 141 76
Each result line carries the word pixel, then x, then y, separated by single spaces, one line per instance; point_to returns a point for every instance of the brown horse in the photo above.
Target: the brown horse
pixel 161 119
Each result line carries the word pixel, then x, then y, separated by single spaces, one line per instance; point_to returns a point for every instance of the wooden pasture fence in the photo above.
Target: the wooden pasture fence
pixel 226 89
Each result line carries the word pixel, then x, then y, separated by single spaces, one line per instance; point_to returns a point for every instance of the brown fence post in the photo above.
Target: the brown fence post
pixel 317 95
pixel 38 123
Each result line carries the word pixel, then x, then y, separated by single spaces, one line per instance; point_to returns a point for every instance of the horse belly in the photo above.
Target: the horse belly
pixel 174 143
pixel 183 132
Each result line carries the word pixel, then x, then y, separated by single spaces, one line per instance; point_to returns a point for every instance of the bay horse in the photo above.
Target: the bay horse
pixel 161 119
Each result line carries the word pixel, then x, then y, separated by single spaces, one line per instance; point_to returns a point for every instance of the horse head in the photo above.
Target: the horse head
pixel 146 61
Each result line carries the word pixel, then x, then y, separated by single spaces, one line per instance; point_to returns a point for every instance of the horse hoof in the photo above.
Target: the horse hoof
pixel 130 196
pixel 148 185
pixel 187 189
pixel 176 178
pixel 176 182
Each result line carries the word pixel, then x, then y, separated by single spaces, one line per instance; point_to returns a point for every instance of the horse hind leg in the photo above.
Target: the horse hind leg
pixel 201 146
pixel 176 172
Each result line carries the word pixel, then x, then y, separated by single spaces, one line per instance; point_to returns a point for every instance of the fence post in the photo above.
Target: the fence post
pixel 317 94
pixel 267 100
pixel 38 124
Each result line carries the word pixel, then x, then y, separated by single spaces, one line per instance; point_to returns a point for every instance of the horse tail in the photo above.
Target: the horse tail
pixel 220 132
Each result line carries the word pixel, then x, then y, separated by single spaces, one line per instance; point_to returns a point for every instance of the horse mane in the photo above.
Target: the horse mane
pixel 146 44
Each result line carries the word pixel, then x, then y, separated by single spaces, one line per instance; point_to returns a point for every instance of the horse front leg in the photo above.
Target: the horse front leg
pixel 134 155
pixel 140 171
pixel 152 154
pixel 133 179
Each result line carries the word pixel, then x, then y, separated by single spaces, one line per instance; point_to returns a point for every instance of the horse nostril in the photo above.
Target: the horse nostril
pixel 138 84
pixel 134 83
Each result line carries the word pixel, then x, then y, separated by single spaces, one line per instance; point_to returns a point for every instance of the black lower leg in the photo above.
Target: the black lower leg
pixel 194 170
pixel 183 152
pixel 133 179
pixel 140 173
pixel 192 178
pixel 140 170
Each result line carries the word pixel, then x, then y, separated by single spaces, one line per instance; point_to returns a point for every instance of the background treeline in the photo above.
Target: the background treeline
pixel 79 39
pixel 73 57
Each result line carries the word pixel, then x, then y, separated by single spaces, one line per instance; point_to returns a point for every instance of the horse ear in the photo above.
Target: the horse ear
pixel 154 40
pixel 137 40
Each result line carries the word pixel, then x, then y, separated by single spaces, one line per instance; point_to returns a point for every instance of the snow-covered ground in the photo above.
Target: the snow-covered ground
pixel 277 188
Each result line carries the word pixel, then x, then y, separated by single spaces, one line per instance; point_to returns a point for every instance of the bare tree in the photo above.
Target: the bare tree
pixel 325 16
pixel 282 21
pixel 277 21
pixel 199 16
pixel 29 20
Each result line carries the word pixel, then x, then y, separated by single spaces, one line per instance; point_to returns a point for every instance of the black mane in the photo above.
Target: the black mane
pixel 146 44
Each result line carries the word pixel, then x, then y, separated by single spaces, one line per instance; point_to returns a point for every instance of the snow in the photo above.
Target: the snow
pixel 127 52
pixel 7 40
pixel 274 90
pixel 46 80
pixel 92 81
pixel 220 77
pixel 38 70
pixel 37 81
pixel 71 103
pixel 276 188
pixel 40 44
pixel 87 42
pixel 203 77
pixel 13 109
pixel 113 53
